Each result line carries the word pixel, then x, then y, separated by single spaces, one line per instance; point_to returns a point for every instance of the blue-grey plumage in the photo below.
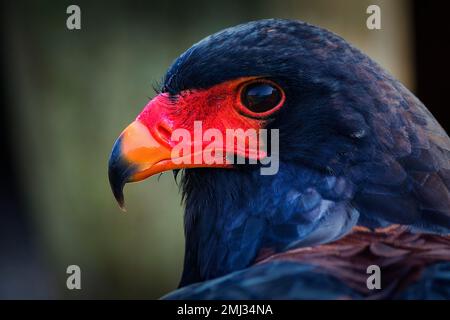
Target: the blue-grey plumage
pixel 356 149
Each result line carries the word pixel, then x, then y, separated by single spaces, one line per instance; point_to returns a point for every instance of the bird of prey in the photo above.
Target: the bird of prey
pixel 363 178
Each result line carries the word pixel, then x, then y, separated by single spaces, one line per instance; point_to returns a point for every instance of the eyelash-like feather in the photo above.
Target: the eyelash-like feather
pixel 157 86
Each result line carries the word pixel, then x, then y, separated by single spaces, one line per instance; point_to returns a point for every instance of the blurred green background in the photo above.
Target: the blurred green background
pixel 72 92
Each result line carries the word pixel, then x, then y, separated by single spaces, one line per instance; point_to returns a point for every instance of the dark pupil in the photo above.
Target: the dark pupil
pixel 260 97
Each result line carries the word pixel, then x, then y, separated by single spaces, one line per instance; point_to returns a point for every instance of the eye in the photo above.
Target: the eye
pixel 260 97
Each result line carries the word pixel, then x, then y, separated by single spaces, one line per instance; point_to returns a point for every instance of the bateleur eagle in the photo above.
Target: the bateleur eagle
pixel 363 176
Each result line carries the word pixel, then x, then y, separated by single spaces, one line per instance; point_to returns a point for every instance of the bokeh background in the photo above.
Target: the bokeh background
pixel 68 94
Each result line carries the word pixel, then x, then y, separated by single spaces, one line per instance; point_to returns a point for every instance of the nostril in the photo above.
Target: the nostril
pixel 164 131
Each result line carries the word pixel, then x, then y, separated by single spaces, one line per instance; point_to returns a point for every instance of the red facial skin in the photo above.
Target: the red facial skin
pixel 147 142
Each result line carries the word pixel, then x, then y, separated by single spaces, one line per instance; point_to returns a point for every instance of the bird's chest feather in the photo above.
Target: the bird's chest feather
pixel 228 226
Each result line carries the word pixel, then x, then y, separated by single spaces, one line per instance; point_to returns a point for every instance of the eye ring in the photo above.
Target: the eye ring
pixel 260 98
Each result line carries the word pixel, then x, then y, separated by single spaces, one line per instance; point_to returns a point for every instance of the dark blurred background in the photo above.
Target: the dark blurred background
pixel 68 94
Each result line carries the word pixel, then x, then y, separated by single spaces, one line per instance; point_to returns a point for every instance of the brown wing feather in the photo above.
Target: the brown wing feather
pixel 400 254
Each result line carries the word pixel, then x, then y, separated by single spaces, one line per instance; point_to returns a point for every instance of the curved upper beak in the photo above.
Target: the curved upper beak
pixel 136 155
pixel 141 152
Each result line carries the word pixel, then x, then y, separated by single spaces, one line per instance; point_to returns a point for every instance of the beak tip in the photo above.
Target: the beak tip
pixel 119 172
pixel 118 195
pixel 120 201
pixel 122 207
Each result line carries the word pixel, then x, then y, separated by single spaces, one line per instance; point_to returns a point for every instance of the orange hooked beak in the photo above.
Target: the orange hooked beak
pixel 138 154
pixel 134 152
